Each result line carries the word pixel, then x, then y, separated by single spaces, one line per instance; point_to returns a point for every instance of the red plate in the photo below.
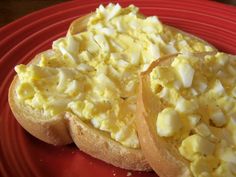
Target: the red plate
pixel 22 155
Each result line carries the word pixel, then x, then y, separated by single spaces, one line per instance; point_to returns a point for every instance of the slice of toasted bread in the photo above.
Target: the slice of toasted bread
pixel 66 128
pixel 51 130
pixel 63 128
pixel 162 153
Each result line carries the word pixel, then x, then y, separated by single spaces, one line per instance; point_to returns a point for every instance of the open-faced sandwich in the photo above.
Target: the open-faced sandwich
pixel 84 89
pixel 186 115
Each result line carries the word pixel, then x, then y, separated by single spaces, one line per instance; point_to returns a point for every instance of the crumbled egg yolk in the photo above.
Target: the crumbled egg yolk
pixel 94 73
pixel 203 120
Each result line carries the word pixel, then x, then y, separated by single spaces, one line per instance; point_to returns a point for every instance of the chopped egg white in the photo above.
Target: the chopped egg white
pixel 186 106
pixel 168 122
pixel 186 73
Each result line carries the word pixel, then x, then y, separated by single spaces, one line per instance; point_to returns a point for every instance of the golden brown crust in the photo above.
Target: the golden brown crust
pixel 79 24
pixel 161 155
pixel 101 146
pixel 53 131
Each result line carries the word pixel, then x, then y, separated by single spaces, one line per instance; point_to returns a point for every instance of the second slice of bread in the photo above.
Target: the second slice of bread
pixel 162 153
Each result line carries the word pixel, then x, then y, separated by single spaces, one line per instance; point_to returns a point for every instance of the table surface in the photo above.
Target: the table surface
pixel 11 10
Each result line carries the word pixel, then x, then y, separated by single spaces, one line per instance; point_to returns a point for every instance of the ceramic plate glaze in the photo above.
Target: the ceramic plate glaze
pixel 22 155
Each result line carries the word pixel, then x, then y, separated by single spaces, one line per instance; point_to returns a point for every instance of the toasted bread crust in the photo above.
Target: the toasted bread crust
pixel 79 24
pixel 101 146
pixel 53 131
pixel 161 155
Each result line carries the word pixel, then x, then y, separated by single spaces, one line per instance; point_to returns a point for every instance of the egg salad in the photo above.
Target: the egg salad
pixel 94 73
pixel 200 112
